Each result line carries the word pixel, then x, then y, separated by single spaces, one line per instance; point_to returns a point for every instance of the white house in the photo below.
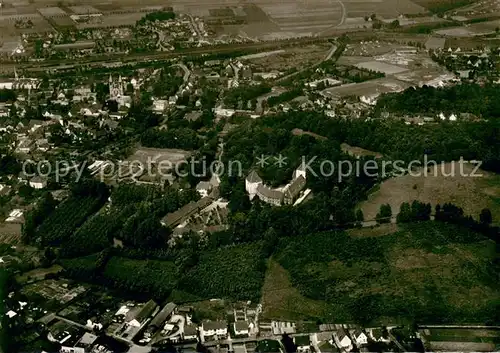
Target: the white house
pixel 222 112
pixel 359 337
pixel 370 99
pixel 342 340
pixel 241 328
pixel 211 329
pixel 38 182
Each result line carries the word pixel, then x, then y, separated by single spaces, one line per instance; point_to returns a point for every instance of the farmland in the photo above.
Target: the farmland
pixel 219 273
pixel 66 218
pixel 261 19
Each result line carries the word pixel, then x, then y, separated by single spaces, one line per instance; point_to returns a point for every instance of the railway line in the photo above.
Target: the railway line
pixel 92 62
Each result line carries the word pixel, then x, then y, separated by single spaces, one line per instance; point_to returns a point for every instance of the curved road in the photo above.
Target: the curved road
pixel 342 19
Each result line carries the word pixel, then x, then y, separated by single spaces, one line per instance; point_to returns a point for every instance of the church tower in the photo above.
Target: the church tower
pixel 115 88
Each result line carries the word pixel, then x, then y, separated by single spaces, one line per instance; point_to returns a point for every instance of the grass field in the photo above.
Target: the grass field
pixel 428 272
pixel 459 339
pixel 280 300
pixel 471 193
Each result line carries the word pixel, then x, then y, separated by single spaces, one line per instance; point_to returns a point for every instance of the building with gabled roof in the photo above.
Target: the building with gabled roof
pixel 161 317
pixel 276 196
pixel 343 340
pixel 214 328
pixel 359 337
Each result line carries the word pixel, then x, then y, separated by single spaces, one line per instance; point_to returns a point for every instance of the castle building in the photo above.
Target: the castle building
pixel 276 196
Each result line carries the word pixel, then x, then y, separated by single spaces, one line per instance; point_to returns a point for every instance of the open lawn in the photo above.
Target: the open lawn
pixel 281 301
pixel 428 272
pixel 471 193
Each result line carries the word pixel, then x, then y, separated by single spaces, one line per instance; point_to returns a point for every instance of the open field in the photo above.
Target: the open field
pixel 378 86
pixel 378 66
pixel 471 193
pixel 455 339
pixel 280 300
pixel 156 155
pixel 377 231
pixel 263 19
pixel 429 272
pixel 358 151
pixel 296 57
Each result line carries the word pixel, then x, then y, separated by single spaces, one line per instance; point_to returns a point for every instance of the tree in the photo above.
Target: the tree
pixel 404 215
pixel 485 217
pixel 270 241
pixel 385 214
pixel 360 217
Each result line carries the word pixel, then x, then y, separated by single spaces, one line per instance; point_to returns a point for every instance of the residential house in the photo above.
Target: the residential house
pixel 193 116
pixel 4 189
pixel 327 347
pixel 303 343
pixel 38 182
pixel 35 125
pixel 42 145
pixel 204 188
pixel 342 340
pixel 82 346
pixel 190 333
pixel 241 328
pixel 214 329
pixel 379 335
pixel 25 146
pixel 173 99
pixel 137 318
pixel 360 338
pixel 159 105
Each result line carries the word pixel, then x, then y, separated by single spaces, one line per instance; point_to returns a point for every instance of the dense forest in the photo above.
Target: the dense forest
pixel 481 101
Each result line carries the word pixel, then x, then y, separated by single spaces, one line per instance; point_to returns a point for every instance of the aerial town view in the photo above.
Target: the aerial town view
pixel 249 176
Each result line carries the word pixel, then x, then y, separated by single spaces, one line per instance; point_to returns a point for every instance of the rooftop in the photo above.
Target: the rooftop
pixel 214 325
pixel 253 177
